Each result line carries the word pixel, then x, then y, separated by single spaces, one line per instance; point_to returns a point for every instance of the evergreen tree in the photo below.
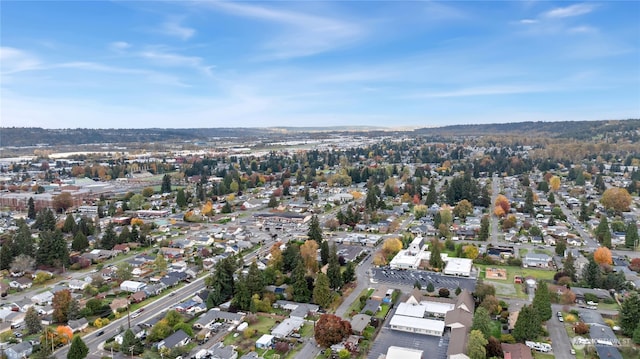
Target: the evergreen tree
pixel 124 236
pixel 109 237
pixel 333 270
pixel 255 279
pixel 528 325
pixel 324 252
pixel 69 224
pixel 551 221
pixel 630 314
pixel 431 195
pixel 23 242
pixel 349 274
pixel 32 321
pixel 166 184
pixel 80 242
pixel 242 295
pixel 430 287
pixel 31 212
pixel 591 273
pixel 301 293
pixel 551 197
pixel 482 322
pixel 602 231
pixel 273 202
pixel 315 233
pixel 483 235
pixel 631 235
pixel 73 312
pixel 78 349
pixel 435 260
pixel 584 212
pixel 53 250
pixel 322 294
pixel 181 200
pixel 569 266
pixel 476 345
pixel 45 220
pixel 542 302
pixel 561 246
pixel 6 254
pixel 528 202
pixel 130 344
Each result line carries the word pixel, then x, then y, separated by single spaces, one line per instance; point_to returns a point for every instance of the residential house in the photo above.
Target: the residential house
pixel 138 296
pixel 138 331
pixel 76 284
pixel 287 327
pixel 132 286
pixel 177 339
pixel 43 298
pixel 297 310
pixel 21 283
pixel 78 325
pixel 19 351
pixel 359 322
pixel 265 341
pixel 516 351
pixel 119 303
pixel 220 351
pixel 213 315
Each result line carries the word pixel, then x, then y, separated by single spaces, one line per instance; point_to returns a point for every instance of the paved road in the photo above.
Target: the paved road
pixel 495 226
pixel 95 342
pixel 560 341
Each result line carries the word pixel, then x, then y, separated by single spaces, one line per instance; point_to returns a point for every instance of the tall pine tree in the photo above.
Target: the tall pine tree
pixel 333 270
pixel 542 302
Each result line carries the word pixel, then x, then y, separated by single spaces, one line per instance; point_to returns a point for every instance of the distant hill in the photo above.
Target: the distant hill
pixel 564 129
pixel 33 136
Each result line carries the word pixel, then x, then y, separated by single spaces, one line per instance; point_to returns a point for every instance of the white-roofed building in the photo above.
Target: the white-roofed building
pixel 411 310
pixel 458 266
pixel 403 353
pixel 437 309
pixel 417 325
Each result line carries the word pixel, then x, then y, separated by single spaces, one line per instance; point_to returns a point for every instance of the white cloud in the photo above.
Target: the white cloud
pixel 528 21
pixel 119 46
pixel 304 35
pixel 169 59
pixel 173 27
pixel 570 11
pixel 439 11
pixel 14 60
pixel 582 30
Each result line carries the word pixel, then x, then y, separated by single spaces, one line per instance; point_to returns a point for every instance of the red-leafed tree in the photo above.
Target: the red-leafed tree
pixel 331 329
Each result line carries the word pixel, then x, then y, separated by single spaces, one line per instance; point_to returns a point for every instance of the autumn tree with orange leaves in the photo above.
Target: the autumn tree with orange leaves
pixel 602 256
pixel 309 254
pixel 502 206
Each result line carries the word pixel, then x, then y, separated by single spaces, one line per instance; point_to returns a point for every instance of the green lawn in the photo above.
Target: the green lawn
pixel 496 328
pixel 605 306
pixel 383 312
pixel 539 274
pixel 538 355
pixel 263 326
pixel 355 306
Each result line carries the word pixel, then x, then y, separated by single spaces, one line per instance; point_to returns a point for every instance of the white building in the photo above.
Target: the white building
pixel 459 267
pixel 403 353
pixel 131 286
pixel 417 325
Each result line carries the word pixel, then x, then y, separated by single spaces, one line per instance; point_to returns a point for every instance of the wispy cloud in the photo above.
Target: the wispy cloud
pixel 169 59
pixel 485 91
pixel 582 30
pixel 14 60
pixel 570 11
pixel 119 46
pixel 304 35
pixel 528 21
pixel 173 27
pixel 439 11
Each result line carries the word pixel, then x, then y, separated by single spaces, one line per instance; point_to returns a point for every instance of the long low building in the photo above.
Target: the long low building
pixel 417 325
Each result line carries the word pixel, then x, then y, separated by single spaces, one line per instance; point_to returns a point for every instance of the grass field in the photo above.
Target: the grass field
pixel 508 288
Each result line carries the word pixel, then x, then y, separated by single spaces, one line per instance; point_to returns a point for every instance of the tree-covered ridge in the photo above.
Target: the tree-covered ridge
pixel 581 130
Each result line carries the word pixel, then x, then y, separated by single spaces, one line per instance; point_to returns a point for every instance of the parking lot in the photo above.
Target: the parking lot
pixel 432 347
pixel 409 277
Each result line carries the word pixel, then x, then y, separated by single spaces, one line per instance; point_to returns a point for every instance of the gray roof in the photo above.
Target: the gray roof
pixel 175 338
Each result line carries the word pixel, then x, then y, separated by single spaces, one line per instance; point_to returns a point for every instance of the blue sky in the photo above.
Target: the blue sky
pixel 137 64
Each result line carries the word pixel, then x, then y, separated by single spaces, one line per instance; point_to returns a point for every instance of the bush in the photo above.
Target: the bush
pixel 507 338
pixel 581 328
pixel 570 318
pixel 514 262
